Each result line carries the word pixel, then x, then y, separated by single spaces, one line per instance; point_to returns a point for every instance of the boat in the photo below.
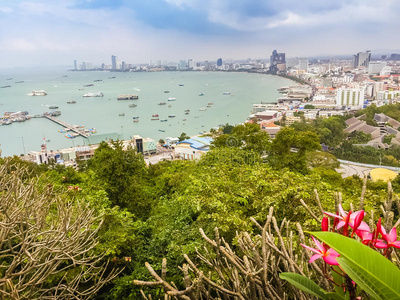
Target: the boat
pixel 5 86
pixel 171 99
pixel 90 130
pixel 37 93
pixel 93 95
pixel 135 117
pixel 128 97
pixel 184 120
pixel 55 113
pixel 19 81
pixel 71 102
pixel 166 91
pixel 226 93
pixel 162 103
pixel 136 120
pixel 180 84
pixel 155 119
pixel 132 105
pixel 201 94
pixel 210 103
pixel 162 130
pixel 156 115
pixel 63 130
pixel 9 79
pixel 203 109
pixel 53 107
pixel 186 112
pixel 122 115
pixel 164 120
pixel 111 77
pixel 47 140
pixel 86 85
pixel 71 135
pixel 97 80
pixel 171 116
pixel 169 105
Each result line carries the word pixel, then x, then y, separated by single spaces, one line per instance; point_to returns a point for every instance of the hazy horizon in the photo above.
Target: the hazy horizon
pixel 55 33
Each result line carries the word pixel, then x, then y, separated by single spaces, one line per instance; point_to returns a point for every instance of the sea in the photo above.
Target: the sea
pixel 232 95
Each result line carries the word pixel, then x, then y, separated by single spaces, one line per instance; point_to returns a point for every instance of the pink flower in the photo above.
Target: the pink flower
pixel 325 224
pixel 355 220
pixel 389 240
pixel 329 256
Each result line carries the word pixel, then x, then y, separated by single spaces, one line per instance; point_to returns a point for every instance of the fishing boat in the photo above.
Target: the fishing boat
pixel 171 99
pixel 53 107
pixel 136 120
pixel 132 105
pixel 5 86
pixel 86 85
pixel 164 120
pixel 203 109
pixel 156 115
pixel 201 94
pixel 97 80
pixel 226 93
pixel 121 114
pixel 171 116
pixel 155 119
pixel 71 102
pixel 162 130
pixel 210 103
pixel 180 84
pixel 162 103
pixel 186 112
pixel 166 91
pixel 135 117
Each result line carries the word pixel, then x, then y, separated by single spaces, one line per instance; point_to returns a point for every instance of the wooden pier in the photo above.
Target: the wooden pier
pixel 68 126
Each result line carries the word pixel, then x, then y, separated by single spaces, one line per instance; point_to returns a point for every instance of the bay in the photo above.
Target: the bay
pixel 103 113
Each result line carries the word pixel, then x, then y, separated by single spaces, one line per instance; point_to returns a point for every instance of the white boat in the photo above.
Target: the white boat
pixel 201 94
pixel 37 93
pixel 93 95
pixel 203 109
pixel 171 99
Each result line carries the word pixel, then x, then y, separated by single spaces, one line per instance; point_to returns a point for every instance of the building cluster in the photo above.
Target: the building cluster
pixel 329 87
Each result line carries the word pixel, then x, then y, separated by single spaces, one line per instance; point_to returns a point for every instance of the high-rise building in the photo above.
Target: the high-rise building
pixel 350 96
pixel 375 67
pixel 182 65
pixel 75 65
pixel 303 65
pixel 114 63
pixel 361 59
pixel 219 62
pixel 277 62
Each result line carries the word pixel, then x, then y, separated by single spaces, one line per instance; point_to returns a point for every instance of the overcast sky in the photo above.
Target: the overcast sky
pixel 55 32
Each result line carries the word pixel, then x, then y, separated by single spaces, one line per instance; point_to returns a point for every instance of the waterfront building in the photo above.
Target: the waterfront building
pixel 219 62
pixel 277 62
pixel 354 97
pixel 361 59
pixel 182 65
pixel 115 64
pixel 75 65
pixel 192 148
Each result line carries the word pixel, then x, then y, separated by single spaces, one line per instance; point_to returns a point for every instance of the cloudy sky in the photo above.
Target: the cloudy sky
pixel 55 32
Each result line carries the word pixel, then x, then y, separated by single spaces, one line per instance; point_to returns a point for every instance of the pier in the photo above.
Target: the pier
pixel 68 126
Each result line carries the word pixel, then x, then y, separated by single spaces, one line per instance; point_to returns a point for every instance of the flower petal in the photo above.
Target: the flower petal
pixel 381 245
pixel 319 245
pixel 391 236
pixel 396 244
pixel 332 215
pixel 330 260
pixel 314 257
pixel 342 212
pixel 312 249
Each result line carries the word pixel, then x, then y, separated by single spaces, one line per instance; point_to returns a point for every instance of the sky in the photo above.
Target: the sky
pixel 56 32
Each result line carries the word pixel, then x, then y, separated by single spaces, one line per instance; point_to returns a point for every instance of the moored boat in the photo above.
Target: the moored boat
pixel 132 105
pixel 71 102
pixel 171 116
pixel 94 95
pixel 156 115
pixel 37 93
pixel 164 120
pixel 171 99
pixel 155 119
pixel 201 94
pixel 226 93
pixel 162 103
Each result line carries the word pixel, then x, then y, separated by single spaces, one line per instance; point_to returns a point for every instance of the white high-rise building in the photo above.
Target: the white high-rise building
pixel 375 67
pixel 303 65
pixel 350 97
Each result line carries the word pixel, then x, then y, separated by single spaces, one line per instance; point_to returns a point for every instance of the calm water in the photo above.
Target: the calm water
pixel 102 113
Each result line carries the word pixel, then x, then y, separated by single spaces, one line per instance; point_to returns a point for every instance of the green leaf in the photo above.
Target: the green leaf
pixel 375 274
pixel 340 280
pixel 305 284
pixel 334 296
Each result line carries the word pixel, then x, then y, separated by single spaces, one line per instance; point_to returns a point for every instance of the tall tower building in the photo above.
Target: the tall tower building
pixel 361 59
pixel 303 64
pixel 277 62
pixel 75 65
pixel 219 62
pixel 114 63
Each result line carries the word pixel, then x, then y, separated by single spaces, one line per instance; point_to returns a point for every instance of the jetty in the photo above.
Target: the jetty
pixel 68 126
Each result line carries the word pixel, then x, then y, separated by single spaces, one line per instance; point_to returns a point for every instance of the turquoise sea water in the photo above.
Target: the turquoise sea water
pixel 102 113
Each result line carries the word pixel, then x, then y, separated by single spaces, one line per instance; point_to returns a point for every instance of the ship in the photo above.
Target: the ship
pixel 97 80
pixel 86 85
pixel 132 105
pixel 37 93
pixel 5 86
pixel 201 94
pixel 135 117
pixel 164 120
pixel 155 116
pixel 166 91
pixel 162 103
pixel 93 95
pixel 171 99
pixel 226 93
pixel 71 102
pixel 122 115
pixel 171 116
pixel 53 107
pixel 128 97
pixel 155 119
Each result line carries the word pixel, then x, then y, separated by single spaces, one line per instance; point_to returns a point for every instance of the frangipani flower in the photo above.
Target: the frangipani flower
pixel 389 240
pixel 355 220
pixel 329 256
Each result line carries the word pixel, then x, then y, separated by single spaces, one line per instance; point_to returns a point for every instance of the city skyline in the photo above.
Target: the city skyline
pixel 48 33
